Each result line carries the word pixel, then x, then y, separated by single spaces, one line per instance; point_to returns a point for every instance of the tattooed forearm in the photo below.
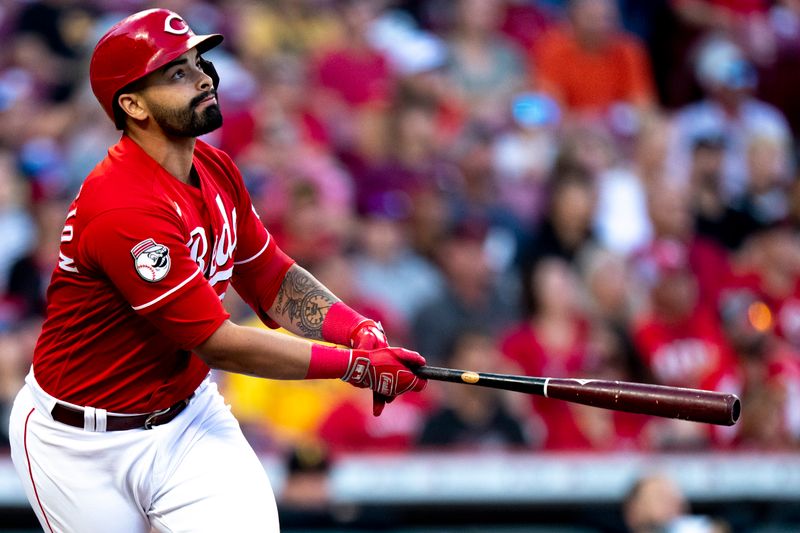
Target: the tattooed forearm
pixel 302 303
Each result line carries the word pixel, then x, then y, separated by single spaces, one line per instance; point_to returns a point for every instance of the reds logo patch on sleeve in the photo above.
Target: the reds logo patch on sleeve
pixel 151 260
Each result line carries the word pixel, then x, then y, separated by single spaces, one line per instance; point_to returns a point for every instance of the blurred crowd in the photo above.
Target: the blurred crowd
pixel 577 188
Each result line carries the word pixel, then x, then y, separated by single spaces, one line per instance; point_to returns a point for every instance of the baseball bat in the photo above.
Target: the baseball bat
pixel 659 400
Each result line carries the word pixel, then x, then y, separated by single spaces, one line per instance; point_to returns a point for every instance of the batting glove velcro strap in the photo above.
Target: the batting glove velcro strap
pixel 387 371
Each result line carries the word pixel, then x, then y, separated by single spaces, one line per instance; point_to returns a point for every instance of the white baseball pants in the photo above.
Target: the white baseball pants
pixel 196 473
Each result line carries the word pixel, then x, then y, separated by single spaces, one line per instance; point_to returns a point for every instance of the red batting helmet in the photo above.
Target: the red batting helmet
pixel 137 46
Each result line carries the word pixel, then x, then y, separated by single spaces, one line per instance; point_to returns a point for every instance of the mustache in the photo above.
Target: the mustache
pixel 197 99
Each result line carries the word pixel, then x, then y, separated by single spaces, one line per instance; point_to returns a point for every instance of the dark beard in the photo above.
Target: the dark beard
pixel 188 122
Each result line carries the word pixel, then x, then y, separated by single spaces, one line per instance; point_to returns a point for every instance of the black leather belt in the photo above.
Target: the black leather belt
pixel 73 416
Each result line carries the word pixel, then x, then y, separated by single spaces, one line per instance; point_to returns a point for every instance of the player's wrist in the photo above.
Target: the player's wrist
pixel 341 323
pixel 327 362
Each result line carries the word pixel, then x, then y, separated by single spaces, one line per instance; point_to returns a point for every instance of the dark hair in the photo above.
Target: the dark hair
pixel 568 173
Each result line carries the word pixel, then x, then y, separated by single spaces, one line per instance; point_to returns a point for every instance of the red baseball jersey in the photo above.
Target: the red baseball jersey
pixel 144 263
pixel 690 353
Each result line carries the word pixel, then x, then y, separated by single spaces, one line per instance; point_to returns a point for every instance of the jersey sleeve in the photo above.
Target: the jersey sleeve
pixel 143 254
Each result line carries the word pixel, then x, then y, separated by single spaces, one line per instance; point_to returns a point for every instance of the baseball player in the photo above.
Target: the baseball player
pixel 118 427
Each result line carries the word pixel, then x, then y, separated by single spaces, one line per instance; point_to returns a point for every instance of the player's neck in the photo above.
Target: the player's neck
pixel 174 154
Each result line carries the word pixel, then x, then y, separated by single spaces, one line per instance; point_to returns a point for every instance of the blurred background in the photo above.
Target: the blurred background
pixel 574 188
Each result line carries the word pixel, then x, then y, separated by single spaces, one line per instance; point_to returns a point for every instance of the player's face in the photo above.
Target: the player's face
pixel 182 99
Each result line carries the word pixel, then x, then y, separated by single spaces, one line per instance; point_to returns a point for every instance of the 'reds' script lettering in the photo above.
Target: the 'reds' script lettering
pixel 220 264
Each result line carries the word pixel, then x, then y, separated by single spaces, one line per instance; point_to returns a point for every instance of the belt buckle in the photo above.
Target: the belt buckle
pixel 150 420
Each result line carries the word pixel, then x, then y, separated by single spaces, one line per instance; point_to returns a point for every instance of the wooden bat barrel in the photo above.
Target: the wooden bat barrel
pixel 658 400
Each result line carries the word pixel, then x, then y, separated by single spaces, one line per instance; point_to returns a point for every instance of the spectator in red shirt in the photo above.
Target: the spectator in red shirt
pixel 552 342
pixel 351 427
pixel 769 264
pixel 679 339
pixel 669 206
pixel 769 377
pixel 354 82
pixel 356 73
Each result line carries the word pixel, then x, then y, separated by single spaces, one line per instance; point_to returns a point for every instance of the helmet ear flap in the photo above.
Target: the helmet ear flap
pixel 208 67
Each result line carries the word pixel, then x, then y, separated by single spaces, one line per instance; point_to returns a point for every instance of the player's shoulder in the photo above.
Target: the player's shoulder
pixel 125 178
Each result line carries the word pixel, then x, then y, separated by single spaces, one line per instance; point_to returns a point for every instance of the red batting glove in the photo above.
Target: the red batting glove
pixel 386 372
pixel 368 335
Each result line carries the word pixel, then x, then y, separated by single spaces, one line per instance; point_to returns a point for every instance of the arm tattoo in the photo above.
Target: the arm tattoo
pixel 302 303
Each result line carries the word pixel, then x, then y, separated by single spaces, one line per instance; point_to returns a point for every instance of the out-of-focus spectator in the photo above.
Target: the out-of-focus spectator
pixel 429 222
pixel 678 339
pixel 669 206
pixel 680 25
pixel 338 273
pixel 301 27
pixel 769 264
pixel 30 274
pixel 778 77
pixel 482 194
pixel 300 190
pixel 472 295
pixel 419 59
pixel 351 427
pixel 714 217
pixel 551 342
pixel 762 203
pixel 17 339
pixel 608 284
pixel 385 261
pixel 277 415
pixel 525 22
pixel 655 504
pixel 16 224
pixel 743 21
pixel 12 362
pixel 559 340
pixel 728 111
pixel 590 145
pixel 765 197
pixel 353 79
pixel 566 229
pixel 410 163
pixel 58 33
pixel 474 417
pixel 622 222
pixel 524 155
pixel 485 67
pixel 590 64
pixel 311 230
pixel 356 73
pixel 770 374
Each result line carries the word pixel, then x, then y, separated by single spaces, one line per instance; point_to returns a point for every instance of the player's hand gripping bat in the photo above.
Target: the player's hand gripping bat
pixel 658 400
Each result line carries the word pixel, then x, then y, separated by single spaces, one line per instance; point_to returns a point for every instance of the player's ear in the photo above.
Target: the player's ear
pixel 133 105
